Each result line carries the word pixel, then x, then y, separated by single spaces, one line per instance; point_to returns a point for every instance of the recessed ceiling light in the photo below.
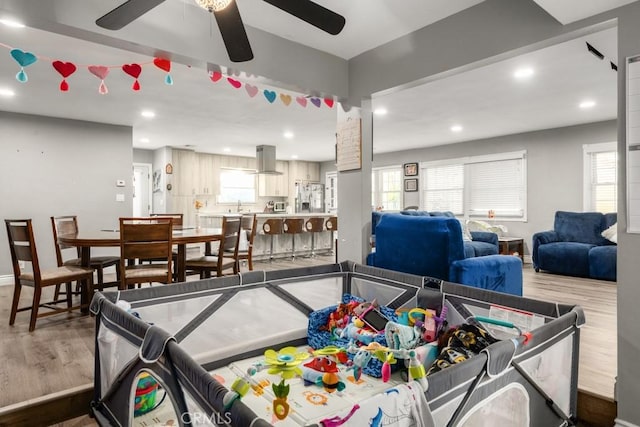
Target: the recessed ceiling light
pixel 523 73
pixel 380 111
pixel 456 128
pixel 288 135
pixel 11 23
pixel 144 140
pixel 226 149
pixel 7 93
pixel 587 104
pixel 148 114
pixel 294 156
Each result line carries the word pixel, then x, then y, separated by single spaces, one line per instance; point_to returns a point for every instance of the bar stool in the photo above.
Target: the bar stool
pixel 313 226
pixel 293 226
pixel 332 225
pixel 272 227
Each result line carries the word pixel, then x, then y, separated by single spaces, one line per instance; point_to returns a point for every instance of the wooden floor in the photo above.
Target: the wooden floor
pixel 58 355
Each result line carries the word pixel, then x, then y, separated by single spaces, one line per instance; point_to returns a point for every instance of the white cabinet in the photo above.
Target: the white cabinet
pixel 206 174
pixel 185 173
pixel 275 185
pixel 304 171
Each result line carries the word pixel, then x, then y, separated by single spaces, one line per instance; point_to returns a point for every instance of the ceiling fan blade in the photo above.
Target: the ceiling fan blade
pixel 233 33
pixel 126 13
pixel 312 13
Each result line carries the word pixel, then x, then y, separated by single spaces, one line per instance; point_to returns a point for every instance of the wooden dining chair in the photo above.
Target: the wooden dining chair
pixel 145 238
pixel 225 257
pixel 248 225
pixel 62 225
pixel 22 246
pixel 177 222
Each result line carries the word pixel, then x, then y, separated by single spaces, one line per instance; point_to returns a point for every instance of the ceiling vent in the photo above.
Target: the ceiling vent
pixel 266 160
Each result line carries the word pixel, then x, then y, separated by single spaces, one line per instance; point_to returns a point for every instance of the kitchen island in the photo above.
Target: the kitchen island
pixel 282 244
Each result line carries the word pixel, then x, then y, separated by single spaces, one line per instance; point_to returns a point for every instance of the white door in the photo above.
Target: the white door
pixel 141 189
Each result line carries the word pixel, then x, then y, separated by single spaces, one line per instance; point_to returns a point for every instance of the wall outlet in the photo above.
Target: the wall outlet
pixel 119 197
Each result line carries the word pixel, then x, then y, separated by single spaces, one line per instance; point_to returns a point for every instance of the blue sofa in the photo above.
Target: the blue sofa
pixel 575 246
pixel 433 246
pixel 482 243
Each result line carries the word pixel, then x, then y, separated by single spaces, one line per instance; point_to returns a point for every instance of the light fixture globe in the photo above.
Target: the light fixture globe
pixel 213 5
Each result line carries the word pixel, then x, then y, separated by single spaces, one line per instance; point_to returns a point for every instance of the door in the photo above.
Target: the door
pixel 141 189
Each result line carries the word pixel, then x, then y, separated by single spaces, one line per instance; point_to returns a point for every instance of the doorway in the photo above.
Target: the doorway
pixel 142 189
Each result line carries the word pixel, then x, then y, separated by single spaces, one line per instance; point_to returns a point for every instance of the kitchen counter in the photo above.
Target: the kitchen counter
pixel 265 214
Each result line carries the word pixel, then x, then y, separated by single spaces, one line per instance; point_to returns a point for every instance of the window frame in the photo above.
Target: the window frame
pixel 219 198
pixel 376 188
pixel 588 205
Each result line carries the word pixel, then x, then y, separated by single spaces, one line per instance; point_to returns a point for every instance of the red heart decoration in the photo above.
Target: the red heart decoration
pixel 64 68
pixel 329 102
pixel 133 70
pixel 100 71
pixel 234 83
pixel 215 76
pixel 163 64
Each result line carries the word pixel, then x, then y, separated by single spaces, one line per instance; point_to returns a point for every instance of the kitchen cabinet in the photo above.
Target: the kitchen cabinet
pixel 275 185
pixel 304 171
pixel 206 174
pixel 185 173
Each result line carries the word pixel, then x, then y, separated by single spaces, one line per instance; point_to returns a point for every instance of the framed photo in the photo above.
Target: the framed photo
pixel 410 169
pixel 411 184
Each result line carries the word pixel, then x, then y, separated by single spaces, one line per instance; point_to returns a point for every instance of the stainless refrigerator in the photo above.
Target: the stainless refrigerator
pixel 309 198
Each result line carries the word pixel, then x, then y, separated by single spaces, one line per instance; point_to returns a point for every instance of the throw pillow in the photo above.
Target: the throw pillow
pixel 466 234
pixel 611 233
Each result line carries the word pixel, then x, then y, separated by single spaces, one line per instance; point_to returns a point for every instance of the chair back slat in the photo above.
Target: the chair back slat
pixel 177 217
pixel 23 253
pixel 146 250
pixel 19 232
pixel 22 245
pixel 230 234
pixel 64 225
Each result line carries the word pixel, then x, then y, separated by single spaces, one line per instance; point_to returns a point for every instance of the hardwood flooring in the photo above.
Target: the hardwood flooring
pixel 58 355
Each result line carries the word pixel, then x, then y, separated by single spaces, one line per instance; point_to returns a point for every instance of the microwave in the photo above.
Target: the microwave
pixel 279 206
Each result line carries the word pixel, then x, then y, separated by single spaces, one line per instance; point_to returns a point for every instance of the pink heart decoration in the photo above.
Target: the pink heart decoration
pixel 100 71
pixel 316 102
pixel 234 83
pixel 133 70
pixel 251 90
pixel 302 101
pixel 215 76
pixel 163 64
pixel 286 99
pixel 64 68
pixel 329 102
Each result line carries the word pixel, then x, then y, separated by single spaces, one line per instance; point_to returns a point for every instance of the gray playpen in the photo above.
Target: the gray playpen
pixel 179 334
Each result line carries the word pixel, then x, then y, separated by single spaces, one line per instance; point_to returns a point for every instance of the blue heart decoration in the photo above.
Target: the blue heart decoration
pixel 23 58
pixel 270 95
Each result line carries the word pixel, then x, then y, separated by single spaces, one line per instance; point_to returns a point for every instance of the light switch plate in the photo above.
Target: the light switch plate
pixel 120 183
pixel 119 197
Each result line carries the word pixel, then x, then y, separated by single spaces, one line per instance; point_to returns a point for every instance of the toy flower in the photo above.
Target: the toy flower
pixel 198 204
pixel 284 362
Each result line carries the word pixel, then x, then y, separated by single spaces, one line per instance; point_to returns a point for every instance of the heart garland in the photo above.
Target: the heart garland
pixel 65 69
pixel 24 59
pixel 164 65
pixel 215 76
pixel 134 70
pixel 101 72
pixel 270 95
pixel 286 99
pixel 251 90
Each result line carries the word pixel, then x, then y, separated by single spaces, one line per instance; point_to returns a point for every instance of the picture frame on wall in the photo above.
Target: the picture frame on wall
pixel 410 169
pixel 411 184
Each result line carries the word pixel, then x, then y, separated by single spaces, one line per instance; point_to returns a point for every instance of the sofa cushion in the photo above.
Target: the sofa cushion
pixel 494 273
pixel 602 262
pixel 584 227
pixel 480 248
pixel 415 213
pixel 569 258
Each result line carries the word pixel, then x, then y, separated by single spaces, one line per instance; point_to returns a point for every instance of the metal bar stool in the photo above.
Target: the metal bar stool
pixel 293 226
pixel 271 227
pixel 313 226
pixel 332 225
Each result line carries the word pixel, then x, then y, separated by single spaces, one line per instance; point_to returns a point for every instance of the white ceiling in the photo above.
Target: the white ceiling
pixel 211 116
pixel 568 11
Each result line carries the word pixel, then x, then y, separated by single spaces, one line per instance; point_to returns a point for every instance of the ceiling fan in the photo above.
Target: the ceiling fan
pixel 229 21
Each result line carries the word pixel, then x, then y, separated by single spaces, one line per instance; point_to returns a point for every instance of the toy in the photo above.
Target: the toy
pixel 323 371
pixel 353 332
pixel 340 317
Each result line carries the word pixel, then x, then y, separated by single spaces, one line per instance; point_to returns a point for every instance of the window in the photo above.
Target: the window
pixel 386 188
pixel 237 185
pixel 331 192
pixel 473 186
pixel 600 177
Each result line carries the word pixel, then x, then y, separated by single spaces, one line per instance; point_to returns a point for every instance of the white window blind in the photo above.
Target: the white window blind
pixel 237 185
pixel 386 188
pixel 601 178
pixel 473 186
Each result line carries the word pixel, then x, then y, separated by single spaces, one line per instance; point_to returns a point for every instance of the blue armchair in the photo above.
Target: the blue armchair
pixel 576 247
pixel 433 246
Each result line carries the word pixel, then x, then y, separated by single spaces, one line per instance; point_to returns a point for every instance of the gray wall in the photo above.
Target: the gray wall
pixel 142 156
pixel 554 168
pixel 61 167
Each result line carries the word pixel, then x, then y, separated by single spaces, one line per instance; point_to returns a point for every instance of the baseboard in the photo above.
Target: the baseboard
pixel 6 280
pixel 621 423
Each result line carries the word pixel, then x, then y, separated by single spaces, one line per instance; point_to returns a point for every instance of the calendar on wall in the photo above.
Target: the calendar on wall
pixel 633 144
pixel 349 144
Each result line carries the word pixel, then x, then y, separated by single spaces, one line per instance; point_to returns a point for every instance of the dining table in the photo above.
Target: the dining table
pixel 182 236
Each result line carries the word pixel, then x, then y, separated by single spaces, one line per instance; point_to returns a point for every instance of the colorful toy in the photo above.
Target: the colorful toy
pixel 323 371
pixel 280 405
pixel 145 400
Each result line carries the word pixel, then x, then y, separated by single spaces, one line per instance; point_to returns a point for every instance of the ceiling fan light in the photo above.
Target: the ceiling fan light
pixel 213 5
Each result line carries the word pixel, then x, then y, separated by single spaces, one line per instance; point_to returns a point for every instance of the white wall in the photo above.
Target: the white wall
pixel 54 167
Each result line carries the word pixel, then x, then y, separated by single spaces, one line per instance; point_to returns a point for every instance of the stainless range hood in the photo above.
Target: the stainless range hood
pixel 266 160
